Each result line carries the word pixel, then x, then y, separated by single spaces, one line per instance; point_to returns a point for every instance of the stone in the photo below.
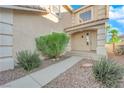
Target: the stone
pixel 87 65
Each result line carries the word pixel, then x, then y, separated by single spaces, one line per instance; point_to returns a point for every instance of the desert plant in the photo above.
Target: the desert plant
pixel 107 72
pixel 28 60
pixel 53 44
pixel 119 50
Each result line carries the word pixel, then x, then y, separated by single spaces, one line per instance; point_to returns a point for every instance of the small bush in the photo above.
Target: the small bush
pixel 53 44
pixel 107 72
pixel 28 60
pixel 119 50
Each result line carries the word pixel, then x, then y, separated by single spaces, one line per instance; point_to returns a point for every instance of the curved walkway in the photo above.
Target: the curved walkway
pixel 42 77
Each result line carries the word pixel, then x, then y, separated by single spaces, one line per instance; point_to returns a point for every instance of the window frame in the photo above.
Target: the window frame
pixel 86 10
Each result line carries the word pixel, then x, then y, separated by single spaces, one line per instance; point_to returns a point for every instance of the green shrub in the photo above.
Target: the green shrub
pixel 107 72
pixel 53 44
pixel 28 60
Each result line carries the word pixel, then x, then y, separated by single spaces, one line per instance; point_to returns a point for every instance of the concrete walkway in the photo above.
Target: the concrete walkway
pixel 42 77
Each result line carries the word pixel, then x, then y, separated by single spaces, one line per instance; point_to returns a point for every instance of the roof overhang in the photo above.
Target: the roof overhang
pixel 86 26
pixel 81 8
pixel 25 8
pixel 68 8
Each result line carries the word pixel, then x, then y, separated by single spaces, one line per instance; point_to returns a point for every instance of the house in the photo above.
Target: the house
pixel 88 32
pixel 21 24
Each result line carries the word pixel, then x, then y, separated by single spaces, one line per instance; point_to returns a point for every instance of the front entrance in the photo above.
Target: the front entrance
pixel 85 40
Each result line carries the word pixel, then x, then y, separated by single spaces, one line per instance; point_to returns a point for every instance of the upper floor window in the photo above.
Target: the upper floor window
pixel 55 9
pixel 86 16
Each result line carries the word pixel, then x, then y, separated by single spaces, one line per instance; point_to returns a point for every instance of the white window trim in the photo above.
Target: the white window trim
pixel 92 16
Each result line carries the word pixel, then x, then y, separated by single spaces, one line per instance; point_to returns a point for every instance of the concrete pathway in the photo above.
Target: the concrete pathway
pixel 42 77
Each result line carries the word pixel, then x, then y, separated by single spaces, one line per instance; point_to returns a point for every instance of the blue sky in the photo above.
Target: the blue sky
pixel 116 17
pixel 76 6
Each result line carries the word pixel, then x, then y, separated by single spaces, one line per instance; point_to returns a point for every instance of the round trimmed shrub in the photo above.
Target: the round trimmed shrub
pixel 28 60
pixel 52 45
pixel 107 72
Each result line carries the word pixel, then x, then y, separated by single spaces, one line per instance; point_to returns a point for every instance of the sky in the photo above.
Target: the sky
pixel 76 6
pixel 116 16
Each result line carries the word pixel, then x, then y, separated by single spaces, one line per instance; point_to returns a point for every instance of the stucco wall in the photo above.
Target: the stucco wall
pixel 27 26
pixel 97 12
pixel 6 39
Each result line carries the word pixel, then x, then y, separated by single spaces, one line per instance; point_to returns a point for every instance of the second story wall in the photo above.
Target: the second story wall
pixel 90 13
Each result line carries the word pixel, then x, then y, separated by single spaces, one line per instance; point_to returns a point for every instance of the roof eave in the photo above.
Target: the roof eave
pixel 68 8
pixel 23 8
pixel 81 8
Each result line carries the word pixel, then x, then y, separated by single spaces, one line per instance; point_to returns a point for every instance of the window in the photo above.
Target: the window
pixel 86 16
pixel 56 9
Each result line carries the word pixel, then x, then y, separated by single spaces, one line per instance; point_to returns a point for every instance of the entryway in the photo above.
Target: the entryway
pixel 85 40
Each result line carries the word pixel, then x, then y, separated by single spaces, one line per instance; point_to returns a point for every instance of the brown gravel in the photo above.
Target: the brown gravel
pixel 77 76
pixel 18 72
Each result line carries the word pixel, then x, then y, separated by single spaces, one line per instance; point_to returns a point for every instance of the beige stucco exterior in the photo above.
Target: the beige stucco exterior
pixel 6 39
pixel 96 27
pixel 97 11
pixel 19 26
pixel 27 26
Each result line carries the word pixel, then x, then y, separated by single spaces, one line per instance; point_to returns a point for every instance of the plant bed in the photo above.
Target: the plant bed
pixel 78 76
pixel 18 72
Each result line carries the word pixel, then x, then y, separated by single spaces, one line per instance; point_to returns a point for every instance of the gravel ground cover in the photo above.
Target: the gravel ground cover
pixel 78 76
pixel 18 72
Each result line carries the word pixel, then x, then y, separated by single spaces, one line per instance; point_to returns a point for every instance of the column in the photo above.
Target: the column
pixel 69 43
pixel 101 41
pixel 6 39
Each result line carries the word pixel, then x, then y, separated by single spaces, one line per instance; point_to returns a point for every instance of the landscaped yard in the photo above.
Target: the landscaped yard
pixel 68 73
pixel 78 76
pixel 18 72
pixel 52 46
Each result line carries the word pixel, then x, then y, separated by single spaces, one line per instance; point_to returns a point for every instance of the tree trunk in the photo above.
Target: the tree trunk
pixel 114 47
